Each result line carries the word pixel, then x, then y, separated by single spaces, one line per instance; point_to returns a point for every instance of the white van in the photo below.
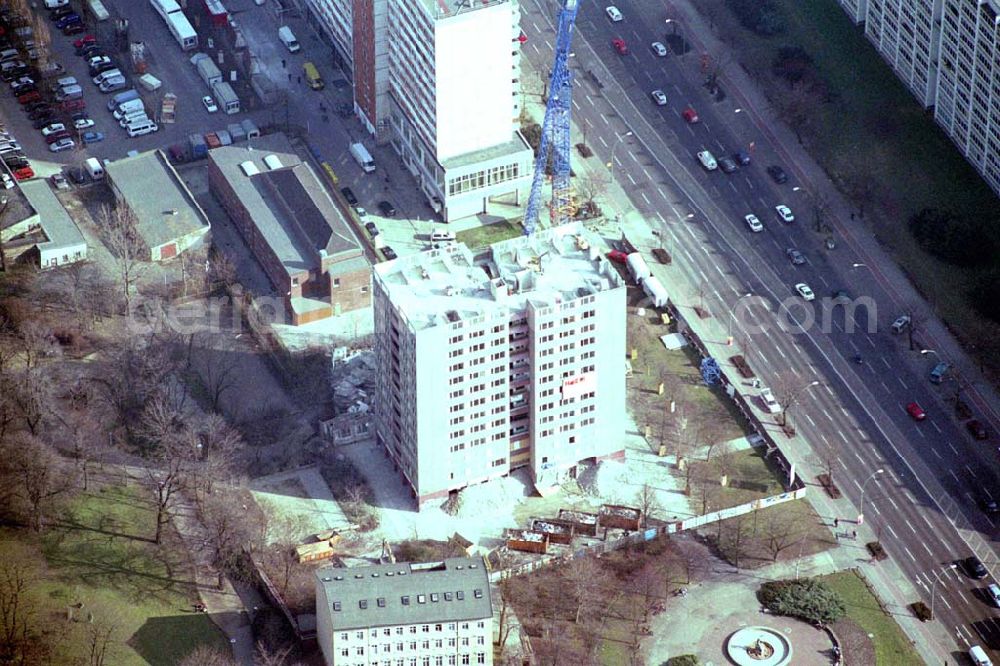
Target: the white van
pixel 8 54
pixel 66 81
pixel 104 76
pixel 442 237
pixel 288 39
pixel 140 127
pixel 128 107
pixel 94 168
pixel 133 117
pixel 69 93
pixel 978 656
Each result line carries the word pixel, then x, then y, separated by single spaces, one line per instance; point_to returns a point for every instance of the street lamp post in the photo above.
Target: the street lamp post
pixel 673 25
pixel 794 399
pixel 934 588
pixel 861 506
pixel 611 164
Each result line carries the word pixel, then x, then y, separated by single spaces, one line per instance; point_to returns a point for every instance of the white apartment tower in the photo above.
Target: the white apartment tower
pixel 405 614
pixel 440 81
pixel 483 368
pixel 947 52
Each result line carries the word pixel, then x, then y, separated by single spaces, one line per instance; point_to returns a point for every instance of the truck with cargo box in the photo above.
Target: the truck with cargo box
pixel 226 97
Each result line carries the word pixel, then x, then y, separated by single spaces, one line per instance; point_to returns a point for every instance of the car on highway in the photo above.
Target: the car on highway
pixel 784 213
pixel 975 568
pixel 690 115
pixel 777 174
pixel 770 403
pixel 613 13
pixel 389 253
pixel 349 196
pixel 659 97
pixel 742 157
pixel 803 290
pixel 209 104
pixel 620 46
pixel 727 164
pixel 659 49
pixel 753 223
pixel 92 137
pixel 902 321
pixel 987 503
pixel 52 129
pixel 707 160
pixel 993 594
pixel 83 123
pixel 977 429
pixel 61 145
pixel 796 257
pixel 617 256
pixel 371 228
pixel 916 412
pixel 387 209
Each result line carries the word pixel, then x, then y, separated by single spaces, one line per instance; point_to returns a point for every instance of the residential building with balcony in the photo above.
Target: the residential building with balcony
pixel 487 367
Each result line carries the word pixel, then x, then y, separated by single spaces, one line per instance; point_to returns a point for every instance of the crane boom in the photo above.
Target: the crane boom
pixel 556 131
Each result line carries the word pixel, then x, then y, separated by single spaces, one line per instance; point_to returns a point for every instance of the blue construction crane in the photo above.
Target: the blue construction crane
pixel 555 131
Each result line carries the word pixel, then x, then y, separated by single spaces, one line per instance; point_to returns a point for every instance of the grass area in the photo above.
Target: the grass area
pixel 678 371
pixel 891 644
pixel 101 555
pixel 872 129
pixel 489 234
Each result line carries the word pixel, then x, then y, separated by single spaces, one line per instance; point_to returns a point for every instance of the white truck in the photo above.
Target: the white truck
pixel 208 70
pixel 363 157
pixel 287 38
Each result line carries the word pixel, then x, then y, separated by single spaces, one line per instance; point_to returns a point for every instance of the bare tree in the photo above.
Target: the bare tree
pixel 590 187
pixel 733 538
pixel 35 474
pixel 706 486
pixel 648 503
pixel 505 621
pixel 205 655
pixel 120 230
pixel 584 575
pixel 272 657
pixel 18 641
pixel 228 530
pixel 175 457
pixel 217 367
pixel 917 320
pixel 783 529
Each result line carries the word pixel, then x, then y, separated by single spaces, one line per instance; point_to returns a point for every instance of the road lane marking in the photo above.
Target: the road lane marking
pixel 927 549
pixel 921 433
pixel 892 502
pixel 937 427
pixel 903 383
pixel 809 418
pixel 907 551
pixel 660 190
pixel 971 471
pixel 891 531
pixel 935 452
pixel 910 525
pixel 645 198
pixel 842 436
pixel 601 139
pixel 952 446
pixel 886 362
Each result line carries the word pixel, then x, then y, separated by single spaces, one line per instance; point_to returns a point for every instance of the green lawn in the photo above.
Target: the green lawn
pixel 873 129
pixel 100 555
pixel 891 644
pixel 488 234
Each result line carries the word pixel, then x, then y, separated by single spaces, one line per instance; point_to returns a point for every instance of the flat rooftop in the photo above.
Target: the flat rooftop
pixel 58 226
pixel 515 146
pixel 453 590
pixel 441 9
pixel 290 206
pixel 16 207
pixel 443 286
pixel 164 207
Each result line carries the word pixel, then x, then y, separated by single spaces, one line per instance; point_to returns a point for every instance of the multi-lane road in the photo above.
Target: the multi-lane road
pixel 924 504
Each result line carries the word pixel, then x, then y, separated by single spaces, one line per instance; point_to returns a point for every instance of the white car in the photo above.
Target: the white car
pixel 8 182
pixel 61 145
pixel 769 402
pixel 784 213
pixel 209 104
pixel 659 49
pixel 659 97
pixel 753 223
pixel 83 123
pixel 803 290
pixel 52 129
pixel 613 13
pixel 707 160
pixel 55 4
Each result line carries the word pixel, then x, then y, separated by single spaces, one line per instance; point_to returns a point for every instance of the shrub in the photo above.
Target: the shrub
pixel 985 295
pixel 808 599
pixel 759 16
pixel 792 64
pixel 921 611
pixel 682 660
pixel 951 238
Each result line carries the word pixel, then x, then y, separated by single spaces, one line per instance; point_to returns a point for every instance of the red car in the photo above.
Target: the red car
pixel 690 115
pixel 55 136
pixel 29 97
pixel 74 105
pixel 618 256
pixel 24 173
pixel 620 45
pixel 916 411
pixel 83 41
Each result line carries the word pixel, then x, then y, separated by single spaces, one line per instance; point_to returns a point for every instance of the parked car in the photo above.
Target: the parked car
pixel 371 228
pixel 24 173
pixel 659 49
pixel 387 209
pixel 617 256
pixel 68 20
pixel 83 123
pixel 987 503
pixel 61 145
pixel 690 115
pixel 29 97
pixel 727 164
pixel 777 174
pixel 659 97
pixel 770 403
pixel 83 42
pixel 389 253
pixel 92 137
pixel 742 157
pixel 209 104
pixel 61 12
pixel 59 181
pixel 349 196
pixel 53 128
pixel 58 135
pixel 8 182
pixel 44 118
pixel 613 13
pixel 73 29
pixel 975 568
pixel 707 160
